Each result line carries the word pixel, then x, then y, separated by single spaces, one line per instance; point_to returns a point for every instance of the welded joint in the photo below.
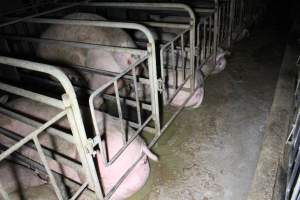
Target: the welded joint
pixel 66 100
pixel 89 146
pixel 160 85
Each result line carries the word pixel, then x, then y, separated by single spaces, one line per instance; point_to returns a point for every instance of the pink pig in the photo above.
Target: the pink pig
pixel 110 174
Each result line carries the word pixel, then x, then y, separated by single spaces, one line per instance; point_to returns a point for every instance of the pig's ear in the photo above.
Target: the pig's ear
pixel 123 59
pixel 149 154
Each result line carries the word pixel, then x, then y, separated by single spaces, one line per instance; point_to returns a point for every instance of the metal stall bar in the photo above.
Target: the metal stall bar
pixel 79 135
pixel 152 70
pixel 160 6
pixel 151 51
pixel 231 22
pixel 98 92
pixel 40 14
pixel 33 136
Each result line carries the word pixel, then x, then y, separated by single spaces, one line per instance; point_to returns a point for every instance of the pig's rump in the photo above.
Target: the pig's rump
pixel 69 56
pixel 109 175
pixel 16 178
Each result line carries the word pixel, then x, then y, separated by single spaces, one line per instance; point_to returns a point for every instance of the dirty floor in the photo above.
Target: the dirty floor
pixel 210 153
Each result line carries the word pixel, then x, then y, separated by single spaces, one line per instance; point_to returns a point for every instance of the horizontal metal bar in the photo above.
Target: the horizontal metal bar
pixel 32 135
pixel 146 6
pixel 51 154
pixel 129 102
pixel 108 84
pixel 76 44
pixel 32 95
pixel 146 128
pixel 166 25
pixel 99 23
pixel 36 124
pixel 40 14
pixel 204 10
pixel 109 73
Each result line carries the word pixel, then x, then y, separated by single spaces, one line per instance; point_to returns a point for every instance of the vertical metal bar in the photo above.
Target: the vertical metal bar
pixel 182 56
pixel 138 107
pixel 174 66
pixel 124 138
pixel 210 34
pixel 199 55
pixel 45 163
pixel 205 39
pixel 162 68
pixel 192 53
pixel 231 22
pixel 77 128
pixel 216 30
pixel 154 85
pixel 3 193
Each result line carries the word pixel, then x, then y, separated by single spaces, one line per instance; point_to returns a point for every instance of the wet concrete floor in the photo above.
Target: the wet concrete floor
pixel 211 153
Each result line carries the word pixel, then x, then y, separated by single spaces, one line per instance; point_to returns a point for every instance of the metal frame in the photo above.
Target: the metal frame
pixel 214 31
pixel 150 6
pixel 70 109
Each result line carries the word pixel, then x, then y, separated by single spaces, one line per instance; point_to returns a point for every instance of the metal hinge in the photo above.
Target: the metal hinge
pixel 160 85
pixel 91 143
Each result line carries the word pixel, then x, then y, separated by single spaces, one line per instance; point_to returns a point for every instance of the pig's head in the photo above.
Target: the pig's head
pixel 221 61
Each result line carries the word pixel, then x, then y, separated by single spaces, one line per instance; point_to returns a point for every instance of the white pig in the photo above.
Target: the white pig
pixel 110 174
pixel 15 177
pixel 94 58
pixel 211 67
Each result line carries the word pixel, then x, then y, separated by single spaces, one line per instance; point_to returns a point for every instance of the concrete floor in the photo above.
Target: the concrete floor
pixel 210 153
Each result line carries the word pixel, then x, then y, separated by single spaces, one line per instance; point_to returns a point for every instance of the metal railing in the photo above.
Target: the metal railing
pixel 293 141
pixel 69 108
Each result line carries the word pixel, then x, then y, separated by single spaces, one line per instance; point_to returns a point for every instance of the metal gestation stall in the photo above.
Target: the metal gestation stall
pixel 20 31
pixel 18 34
pixel 69 108
pixel 293 146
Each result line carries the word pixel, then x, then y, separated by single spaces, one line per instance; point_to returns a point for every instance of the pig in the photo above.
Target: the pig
pixel 195 100
pixel 108 175
pixel 40 192
pixel 94 58
pixel 210 68
pixel 238 35
pixel 17 178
